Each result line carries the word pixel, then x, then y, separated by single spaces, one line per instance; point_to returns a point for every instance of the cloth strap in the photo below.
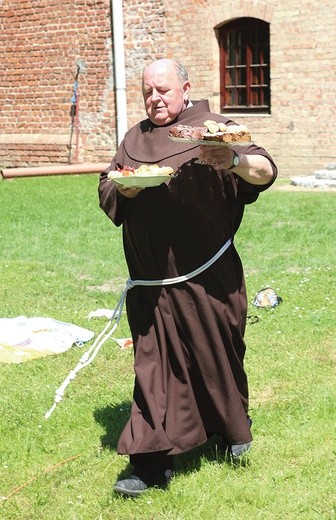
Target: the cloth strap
pixel 105 334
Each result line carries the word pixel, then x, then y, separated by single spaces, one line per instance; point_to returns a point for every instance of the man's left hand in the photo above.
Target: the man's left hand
pixel 219 157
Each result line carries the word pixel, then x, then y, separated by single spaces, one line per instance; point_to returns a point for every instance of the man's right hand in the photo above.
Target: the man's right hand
pixel 130 193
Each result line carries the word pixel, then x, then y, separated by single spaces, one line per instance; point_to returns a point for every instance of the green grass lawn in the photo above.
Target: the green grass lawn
pixel 62 258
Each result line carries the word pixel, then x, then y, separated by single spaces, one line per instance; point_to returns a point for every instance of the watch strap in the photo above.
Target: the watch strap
pixel 234 162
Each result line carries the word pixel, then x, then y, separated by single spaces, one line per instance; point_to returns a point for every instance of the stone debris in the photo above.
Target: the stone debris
pixel 322 179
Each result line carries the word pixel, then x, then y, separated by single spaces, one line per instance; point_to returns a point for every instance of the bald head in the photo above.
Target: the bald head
pixel 166 90
pixel 169 64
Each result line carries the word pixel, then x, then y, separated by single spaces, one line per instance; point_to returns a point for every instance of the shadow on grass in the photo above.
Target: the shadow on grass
pixel 114 417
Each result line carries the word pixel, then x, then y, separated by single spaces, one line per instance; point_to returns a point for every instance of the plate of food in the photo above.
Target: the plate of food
pixel 208 142
pixel 211 133
pixel 146 176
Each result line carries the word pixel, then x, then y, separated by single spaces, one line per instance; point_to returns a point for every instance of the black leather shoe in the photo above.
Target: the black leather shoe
pixel 135 486
pixel 132 487
pixel 239 450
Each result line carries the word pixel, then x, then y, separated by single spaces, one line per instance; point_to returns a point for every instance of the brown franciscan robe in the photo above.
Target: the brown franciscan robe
pixel 190 381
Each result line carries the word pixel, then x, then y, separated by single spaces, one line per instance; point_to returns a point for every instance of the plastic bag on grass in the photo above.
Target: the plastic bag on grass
pixel 23 339
pixel 267 298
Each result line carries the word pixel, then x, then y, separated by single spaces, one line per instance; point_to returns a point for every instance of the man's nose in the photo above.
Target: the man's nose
pixel 155 95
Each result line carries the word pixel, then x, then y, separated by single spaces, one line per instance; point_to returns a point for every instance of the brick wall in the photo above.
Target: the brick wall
pixel 300 132
pixel 41 40
pixel 40 43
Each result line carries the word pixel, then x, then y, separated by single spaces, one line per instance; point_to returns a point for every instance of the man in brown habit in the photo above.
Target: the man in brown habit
pixel 188 336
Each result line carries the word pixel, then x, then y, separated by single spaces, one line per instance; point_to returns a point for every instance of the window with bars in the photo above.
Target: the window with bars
pixel 245 66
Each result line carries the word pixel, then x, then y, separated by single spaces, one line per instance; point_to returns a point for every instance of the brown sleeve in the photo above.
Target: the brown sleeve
pixel 111 201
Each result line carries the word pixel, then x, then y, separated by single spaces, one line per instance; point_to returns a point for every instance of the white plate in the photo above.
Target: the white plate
pixel 206 142
pixel 140 181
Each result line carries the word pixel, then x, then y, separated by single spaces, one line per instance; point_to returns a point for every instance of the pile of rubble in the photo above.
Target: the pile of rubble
pixel 321 179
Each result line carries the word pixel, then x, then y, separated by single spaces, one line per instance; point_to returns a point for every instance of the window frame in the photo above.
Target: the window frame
pixel 254 35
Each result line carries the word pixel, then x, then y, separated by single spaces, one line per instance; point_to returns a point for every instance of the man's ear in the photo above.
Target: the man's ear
pixel 186 92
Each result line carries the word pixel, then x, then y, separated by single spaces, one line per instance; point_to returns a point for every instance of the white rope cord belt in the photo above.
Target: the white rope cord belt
pixel 90 355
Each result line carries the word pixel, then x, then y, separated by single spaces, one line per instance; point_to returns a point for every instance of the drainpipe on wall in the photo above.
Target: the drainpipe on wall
pixel 119 68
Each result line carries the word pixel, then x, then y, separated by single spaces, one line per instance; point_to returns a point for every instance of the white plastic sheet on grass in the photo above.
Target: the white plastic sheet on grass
pixel 23 339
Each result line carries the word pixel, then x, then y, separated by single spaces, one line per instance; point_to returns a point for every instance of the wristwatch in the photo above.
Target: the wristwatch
pixel 235 160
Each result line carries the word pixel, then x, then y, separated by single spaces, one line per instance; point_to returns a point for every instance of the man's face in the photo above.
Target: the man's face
pixel 164 95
